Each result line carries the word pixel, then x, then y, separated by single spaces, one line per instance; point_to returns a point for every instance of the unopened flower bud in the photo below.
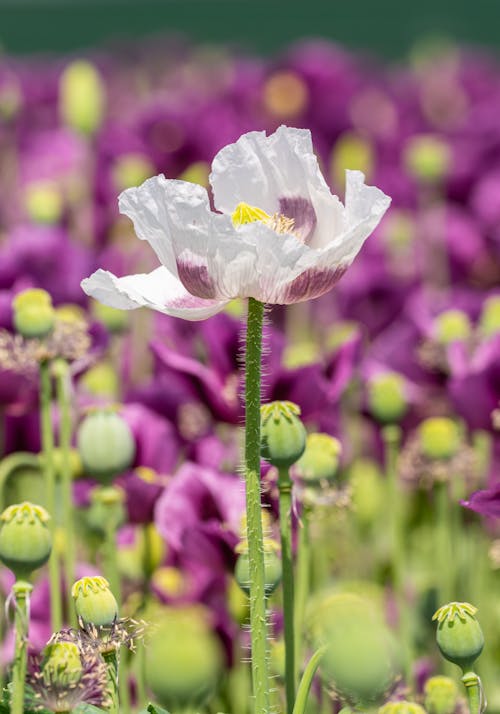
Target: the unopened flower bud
pixel 427 158
pixel 61 665
pixel 115 321
pixel 320 460
pixel 459 635
pixel 43 201
pixel 183 659
pixel 95 604
pixel 386 398
pixel 440 437
pixel 441 695
pixel 34 315
pixel 452 326
pixel 25 540
pixel 283 434
pixel 401 707
pixel 81 97
pixel 106 444
pixel 272 570
pixel 489 320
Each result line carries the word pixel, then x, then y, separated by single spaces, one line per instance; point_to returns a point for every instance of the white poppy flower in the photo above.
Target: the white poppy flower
pixel 279 236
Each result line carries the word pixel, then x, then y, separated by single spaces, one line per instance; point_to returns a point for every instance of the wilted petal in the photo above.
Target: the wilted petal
pixel 159 290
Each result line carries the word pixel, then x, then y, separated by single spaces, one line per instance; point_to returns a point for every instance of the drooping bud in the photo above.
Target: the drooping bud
pixel 283 434
pixel 25 539
pixel 81 97
pixel 43 201
pixel 489 320
pixel 441 695
pixel 320 460
pixel 427 158
pixel 386 398
pixel 95 604
pixel 106 444
pixel 34 315
pixel 183 659
pixel 61 665
pixel 452 326
pixel 401 707
pixel 440 437
pixel 459 635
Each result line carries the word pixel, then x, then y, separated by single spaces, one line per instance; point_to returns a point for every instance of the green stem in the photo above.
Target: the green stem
pixel 140 675
pixel 474 690
pixel 306 681
pixel 63 385
pixel 258 624
pixel 285 514
pixel 444 526
pixel 111 659
pixel 123 684
pixel 21 591
pixel 50 485
pixel 110 560
pixel 9 464
pixel 303 582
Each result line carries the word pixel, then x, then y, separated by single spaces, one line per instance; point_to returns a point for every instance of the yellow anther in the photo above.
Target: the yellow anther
pixel 244 213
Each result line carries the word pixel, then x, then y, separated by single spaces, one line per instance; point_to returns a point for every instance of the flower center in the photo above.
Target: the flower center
pixel 244 213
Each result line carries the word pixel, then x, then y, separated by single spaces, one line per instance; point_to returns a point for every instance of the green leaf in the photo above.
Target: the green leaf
pixel 155 709
pixel 306 681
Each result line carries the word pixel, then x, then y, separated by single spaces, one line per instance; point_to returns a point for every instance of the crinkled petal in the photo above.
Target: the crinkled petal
pixel 159 290
pixel 279 174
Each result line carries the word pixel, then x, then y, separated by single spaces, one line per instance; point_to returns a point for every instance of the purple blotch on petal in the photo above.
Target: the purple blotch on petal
pixel 310 284
pixel 303 214
pixel 196 279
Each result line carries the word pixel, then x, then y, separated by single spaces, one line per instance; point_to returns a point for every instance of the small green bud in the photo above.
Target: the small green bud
pixel 489 320
pixel 320 460
pixel 101 380
pixel 351 151
pixel 272 570
pixel 75 462
pixel 61 665
pixel 25 540
pixel 43 201
pixel 107 508
pixel 106 444
pixel 386 398
pixel 440 437
pixel 368 490
pixel 34 315
pixel 183 659
pixel 427 158
pixel 277 659
pixel 95 604
pixel 401 707
pixel 115 321
pixel 237 602
pixel 283 434
pixel 441 695
pixel 132 170
pixel 452 326
pixel 81 97
pixel 300 354
pixel 459 635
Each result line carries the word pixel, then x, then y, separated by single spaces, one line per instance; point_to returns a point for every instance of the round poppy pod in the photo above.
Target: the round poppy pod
pixel 320 460
pixel 452 326
pixel 401 707
pixel 95 604
pixel 386 398
pixel 489 320
pixel 440 695
pixel 459 635
pixel 25 539
pixel 283 436
pixel 272 571
pixel 439 437
pixel 61 665
pixel 106 444
pixel 81 97
pixel 33 313
pixel 184 659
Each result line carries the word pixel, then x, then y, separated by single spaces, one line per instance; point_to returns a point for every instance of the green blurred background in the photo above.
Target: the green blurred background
pixel 386 27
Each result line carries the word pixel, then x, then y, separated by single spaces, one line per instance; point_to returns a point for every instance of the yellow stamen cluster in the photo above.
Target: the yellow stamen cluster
pixel 244 213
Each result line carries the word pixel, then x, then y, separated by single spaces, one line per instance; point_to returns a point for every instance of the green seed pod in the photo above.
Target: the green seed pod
pixel 452 326
pixel 81 97
pixel 95 604
pixel 106 444
pixel 368 491
pixel 272 571
pixel 283 434
pixel 25 540
pixel 401 707
pixel 183 659
pixel 427 158
pixel 441 695
pixel 43 201
pixel 320 460
pixel 101 380
pixel 351 151
pixel 115 321
pixel 489 320
pixel 34 315
pixel 61 665
pixel 107 508
pixel 386 398
pixel 440 438
pixel 459 635
pixel 74 461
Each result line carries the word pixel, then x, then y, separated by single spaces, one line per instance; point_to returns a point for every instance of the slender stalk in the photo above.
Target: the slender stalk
pixel 285 506
pixel 21 591
pixel 110 560
pixel 50 485
pixel 123 684
pixel 303 583
pixel 63 384
pixel 258 624
pixel 111 659
pixel 444 528
pixel 9 464
pixel 306 681
pixel 474 690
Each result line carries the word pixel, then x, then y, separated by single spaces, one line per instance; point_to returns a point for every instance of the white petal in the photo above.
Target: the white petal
pixel 270 172
pixel 159 290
